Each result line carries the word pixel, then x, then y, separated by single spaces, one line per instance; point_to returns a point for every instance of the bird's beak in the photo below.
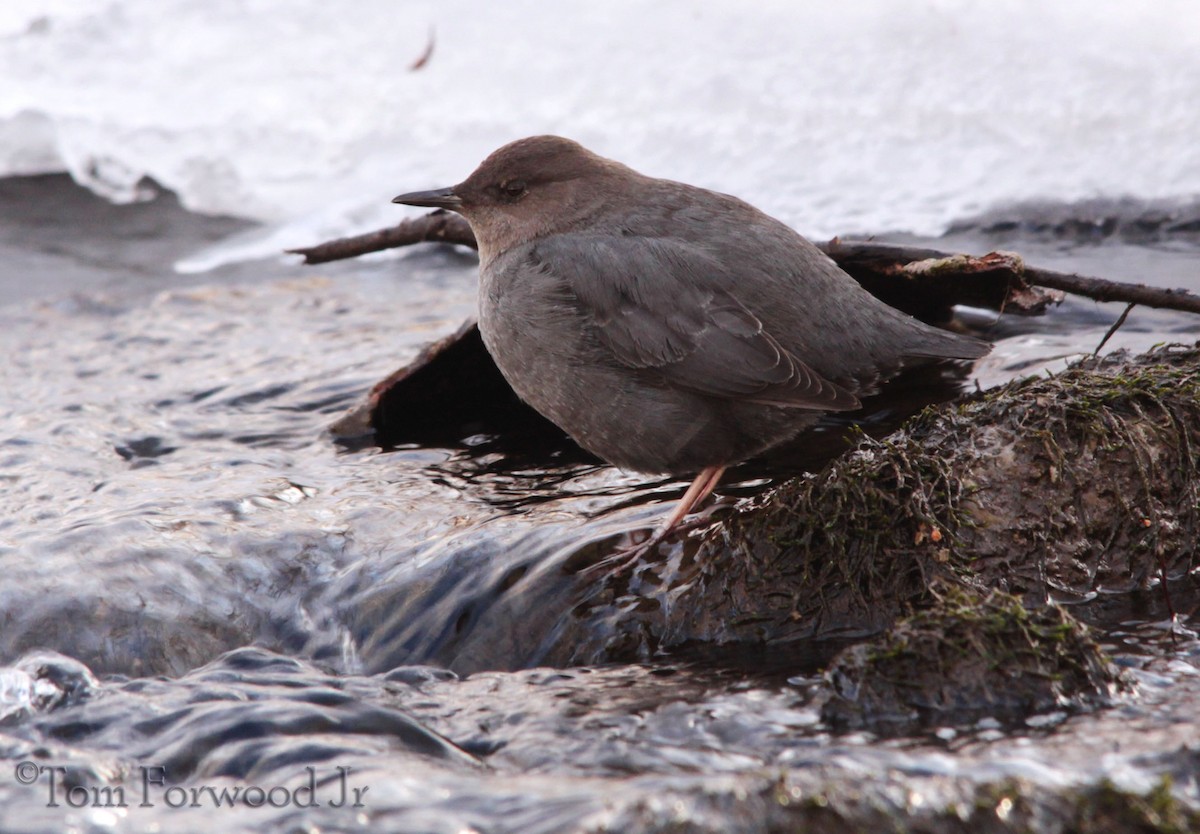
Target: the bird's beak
pixel 443 198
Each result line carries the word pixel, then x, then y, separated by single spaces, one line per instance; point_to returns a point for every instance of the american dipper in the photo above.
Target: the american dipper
pixel 664 327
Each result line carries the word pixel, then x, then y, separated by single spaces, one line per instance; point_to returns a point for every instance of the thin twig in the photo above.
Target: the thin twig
pixel 1101 289
pixel 1116 326
pixel 1098 289
pixel 438 226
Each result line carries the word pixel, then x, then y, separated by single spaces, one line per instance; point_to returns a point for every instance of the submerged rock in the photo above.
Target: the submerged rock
pixel 966 659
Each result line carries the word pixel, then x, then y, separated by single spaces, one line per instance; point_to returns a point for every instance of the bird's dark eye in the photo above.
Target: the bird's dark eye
pixel 513 188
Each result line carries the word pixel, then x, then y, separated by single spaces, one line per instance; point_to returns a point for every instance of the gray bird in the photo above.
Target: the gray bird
pixel 664 327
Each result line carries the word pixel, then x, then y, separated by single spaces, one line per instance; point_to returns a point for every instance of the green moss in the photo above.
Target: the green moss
pixel 1106 808
pixel 964 658
pixel 886 496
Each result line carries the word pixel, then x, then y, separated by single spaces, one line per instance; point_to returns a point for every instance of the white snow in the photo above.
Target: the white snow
pixel 858 115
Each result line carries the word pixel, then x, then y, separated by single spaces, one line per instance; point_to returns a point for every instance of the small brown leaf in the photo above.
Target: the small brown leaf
pixel 424 57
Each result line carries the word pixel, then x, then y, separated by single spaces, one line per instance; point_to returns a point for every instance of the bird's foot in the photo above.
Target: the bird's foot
pixel 626 556
pixel 697 491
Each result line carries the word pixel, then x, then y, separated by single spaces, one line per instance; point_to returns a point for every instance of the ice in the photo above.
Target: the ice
pixel 865 115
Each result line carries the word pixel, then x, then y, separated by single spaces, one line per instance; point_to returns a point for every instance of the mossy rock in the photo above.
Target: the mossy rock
pixel 1106 809
pixel 1010 806
pixel 1071 487
pixel 966 658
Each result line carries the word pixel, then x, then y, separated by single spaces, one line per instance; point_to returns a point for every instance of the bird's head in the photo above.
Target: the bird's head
pixel 525 190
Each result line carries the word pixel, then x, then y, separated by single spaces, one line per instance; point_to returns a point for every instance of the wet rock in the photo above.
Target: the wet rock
pixel 1076 487
pixel 1107 808
pixel 965 659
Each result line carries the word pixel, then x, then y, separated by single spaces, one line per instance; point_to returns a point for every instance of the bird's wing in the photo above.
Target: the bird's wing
pixel 662 306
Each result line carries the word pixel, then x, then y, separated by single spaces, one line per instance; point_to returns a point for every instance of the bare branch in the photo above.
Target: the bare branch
pixel 437 227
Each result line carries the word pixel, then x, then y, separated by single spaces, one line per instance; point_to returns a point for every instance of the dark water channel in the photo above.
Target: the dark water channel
pixel 201 593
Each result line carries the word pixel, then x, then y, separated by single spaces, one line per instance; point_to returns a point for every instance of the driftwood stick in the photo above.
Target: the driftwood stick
pixel 445 227
pixel 1099 289
pixel 928 283
pixel 436 227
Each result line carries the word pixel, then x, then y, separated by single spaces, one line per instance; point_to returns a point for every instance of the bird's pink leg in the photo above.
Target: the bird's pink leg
pixel 700 488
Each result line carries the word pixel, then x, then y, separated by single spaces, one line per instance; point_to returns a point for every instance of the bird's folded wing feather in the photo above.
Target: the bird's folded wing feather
pixel 692 333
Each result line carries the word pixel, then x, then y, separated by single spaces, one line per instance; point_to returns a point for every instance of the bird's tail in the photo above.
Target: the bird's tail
pixel 934 343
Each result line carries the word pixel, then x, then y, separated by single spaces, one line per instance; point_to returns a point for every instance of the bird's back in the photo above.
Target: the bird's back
pixel 803 299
